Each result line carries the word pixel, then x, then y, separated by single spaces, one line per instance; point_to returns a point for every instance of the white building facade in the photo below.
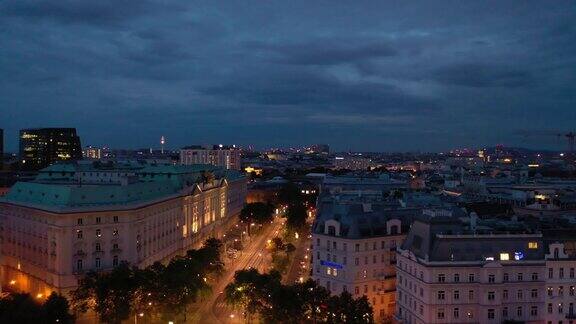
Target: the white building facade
pixel 53 231
pixel 354 243
pixel 447 276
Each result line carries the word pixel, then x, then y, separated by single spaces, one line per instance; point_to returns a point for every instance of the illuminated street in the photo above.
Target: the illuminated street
pixel 254 255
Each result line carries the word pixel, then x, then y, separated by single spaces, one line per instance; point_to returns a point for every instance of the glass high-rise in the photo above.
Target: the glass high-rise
pixel 40 147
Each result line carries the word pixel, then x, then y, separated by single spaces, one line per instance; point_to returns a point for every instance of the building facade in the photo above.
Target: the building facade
pixel 219 155
pixel 75 218
pixel 447 272
pixel 40 147
pixel 354 242
pixel 91 152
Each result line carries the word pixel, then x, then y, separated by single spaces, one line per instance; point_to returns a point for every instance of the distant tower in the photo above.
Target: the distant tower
pixel 162 142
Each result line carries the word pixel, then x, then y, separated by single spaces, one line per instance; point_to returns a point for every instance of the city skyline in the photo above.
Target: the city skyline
pixel 378 77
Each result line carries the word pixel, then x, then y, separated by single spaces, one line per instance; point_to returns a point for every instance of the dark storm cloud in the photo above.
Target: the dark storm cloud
pixel 307 89
pixel 101 12
pixel 381 75
pixel 324 51
pixel 483 75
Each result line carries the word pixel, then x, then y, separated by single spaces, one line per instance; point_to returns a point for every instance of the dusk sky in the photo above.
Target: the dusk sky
pixel 359 75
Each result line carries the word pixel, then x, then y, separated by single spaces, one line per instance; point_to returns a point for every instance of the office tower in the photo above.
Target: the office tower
pixel 40 147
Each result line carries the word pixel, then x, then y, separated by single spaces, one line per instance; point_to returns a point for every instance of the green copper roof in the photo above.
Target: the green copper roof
pixel 58 186
pixel 67 195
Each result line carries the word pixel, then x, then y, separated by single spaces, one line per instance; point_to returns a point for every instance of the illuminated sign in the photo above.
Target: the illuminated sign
pixel 518 256
pixel 331 264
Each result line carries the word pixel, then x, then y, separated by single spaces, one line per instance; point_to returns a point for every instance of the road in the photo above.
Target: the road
pixel 215 310
pixel 300 265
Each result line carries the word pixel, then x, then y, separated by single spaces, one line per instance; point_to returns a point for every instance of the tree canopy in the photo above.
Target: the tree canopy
pixel 160 291
pixel 22 308
pixel 265 296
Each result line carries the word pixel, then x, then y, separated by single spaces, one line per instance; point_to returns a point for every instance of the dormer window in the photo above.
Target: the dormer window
pixel 332 230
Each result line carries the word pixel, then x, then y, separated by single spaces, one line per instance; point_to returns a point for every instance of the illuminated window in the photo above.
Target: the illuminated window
pixel 532 245
pixel 504 256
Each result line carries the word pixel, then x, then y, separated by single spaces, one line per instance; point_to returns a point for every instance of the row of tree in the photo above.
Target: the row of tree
pixel 161 292
pixel 22 308
pixel 264 296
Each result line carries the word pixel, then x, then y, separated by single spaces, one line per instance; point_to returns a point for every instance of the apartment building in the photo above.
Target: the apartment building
pixel 78 217
pixel 451 270
pixel 219 155
pixel 354 241
pixel 560 277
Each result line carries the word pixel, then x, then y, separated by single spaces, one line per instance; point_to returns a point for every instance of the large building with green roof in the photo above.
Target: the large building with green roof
pixel 82 216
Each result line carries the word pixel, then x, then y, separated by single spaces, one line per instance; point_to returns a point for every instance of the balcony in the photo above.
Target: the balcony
pixel 98 253
pixel 116 250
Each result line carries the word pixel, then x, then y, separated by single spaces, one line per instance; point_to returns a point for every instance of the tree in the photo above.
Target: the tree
pixel 296 217
pixel 158 290
pixel 290 194
pixel 252 291
pixel 56 309
pixel 258 212
pixel 286 306
pixel 277 244
pixel 179 284
pixel 114 294
pixel 20 308
pixel 345 309
pixel 264 295
pixel 110 294
pixel 289 248
pixel 313 298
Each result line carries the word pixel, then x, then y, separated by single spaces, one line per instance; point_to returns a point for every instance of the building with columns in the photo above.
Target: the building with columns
pixel 78 217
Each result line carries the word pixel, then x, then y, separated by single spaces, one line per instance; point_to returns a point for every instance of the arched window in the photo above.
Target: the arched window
pixel 556 253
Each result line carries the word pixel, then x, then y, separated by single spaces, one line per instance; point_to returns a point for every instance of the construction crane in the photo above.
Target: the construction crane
pixel 570 136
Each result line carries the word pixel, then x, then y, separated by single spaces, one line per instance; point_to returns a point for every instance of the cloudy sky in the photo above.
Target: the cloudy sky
pixel 360 75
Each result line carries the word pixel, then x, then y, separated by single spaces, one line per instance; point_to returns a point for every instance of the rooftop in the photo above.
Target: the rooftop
pixel 63 187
